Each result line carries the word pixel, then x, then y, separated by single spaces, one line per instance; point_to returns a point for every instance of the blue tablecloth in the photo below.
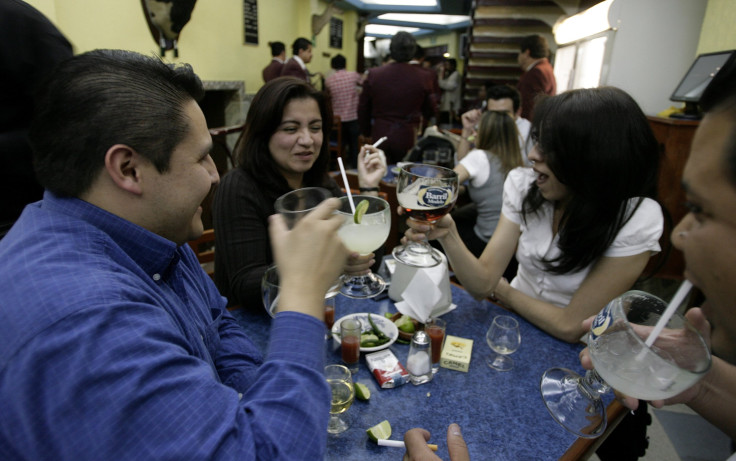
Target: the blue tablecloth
pixel 501 414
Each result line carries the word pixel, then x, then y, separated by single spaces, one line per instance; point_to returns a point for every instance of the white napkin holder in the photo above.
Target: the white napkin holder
pixel 421 292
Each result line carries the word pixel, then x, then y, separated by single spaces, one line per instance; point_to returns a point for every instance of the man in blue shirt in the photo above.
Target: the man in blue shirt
pixel 115 344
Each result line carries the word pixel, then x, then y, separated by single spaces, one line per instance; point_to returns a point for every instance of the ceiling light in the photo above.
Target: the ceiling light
pixel 590 22
pixel 379 29
pixel 402 2
pixel 439 19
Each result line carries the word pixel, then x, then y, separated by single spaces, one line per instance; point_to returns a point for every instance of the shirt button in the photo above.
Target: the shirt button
pixel 157 277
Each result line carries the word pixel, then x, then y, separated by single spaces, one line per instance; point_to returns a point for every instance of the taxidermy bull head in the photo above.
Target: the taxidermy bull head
pixel 166 19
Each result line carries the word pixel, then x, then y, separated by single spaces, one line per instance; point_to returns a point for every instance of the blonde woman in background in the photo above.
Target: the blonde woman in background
pixel 485 168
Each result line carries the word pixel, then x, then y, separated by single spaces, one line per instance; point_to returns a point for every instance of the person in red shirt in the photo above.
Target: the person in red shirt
pixel 344 87
pixel 538 77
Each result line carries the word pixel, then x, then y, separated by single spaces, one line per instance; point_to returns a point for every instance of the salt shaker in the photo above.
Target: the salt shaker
pixel 419 362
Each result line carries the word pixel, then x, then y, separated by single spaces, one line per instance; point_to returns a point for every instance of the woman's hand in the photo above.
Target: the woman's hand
pixel 371 166
pixel 358 264
pixel 418 230
pixel 470 119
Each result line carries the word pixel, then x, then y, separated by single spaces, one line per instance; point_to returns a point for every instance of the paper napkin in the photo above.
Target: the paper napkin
pixel 421 293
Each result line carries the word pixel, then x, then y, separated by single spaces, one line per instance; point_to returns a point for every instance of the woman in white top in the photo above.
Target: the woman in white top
pixel 584 217
pixel 448 79
pixel 485 168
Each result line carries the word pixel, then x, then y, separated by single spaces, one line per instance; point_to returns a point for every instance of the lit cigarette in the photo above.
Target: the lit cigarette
pixel 380 141
pixel 400 444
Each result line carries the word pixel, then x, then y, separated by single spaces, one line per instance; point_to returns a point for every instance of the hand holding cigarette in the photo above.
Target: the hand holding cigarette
pixel 417 448
pixel 372 165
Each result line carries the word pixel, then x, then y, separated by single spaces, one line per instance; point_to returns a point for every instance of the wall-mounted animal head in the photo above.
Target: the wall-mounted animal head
pixel 166 19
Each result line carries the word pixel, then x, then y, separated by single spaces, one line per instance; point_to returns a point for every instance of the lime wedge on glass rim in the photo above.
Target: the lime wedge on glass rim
pixel 381 430
pixel 360 210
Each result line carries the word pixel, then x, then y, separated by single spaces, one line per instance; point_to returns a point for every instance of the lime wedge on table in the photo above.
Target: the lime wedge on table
pixel 362 392
pixel 360 210
pixel 405 324
pixel 381 430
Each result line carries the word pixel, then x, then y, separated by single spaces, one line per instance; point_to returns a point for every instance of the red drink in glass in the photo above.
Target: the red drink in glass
pixel 329 316
pixel 436 334
pixel 350 349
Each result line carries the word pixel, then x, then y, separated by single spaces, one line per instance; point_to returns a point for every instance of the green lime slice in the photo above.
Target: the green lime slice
pixel 405 324
pixel 360 210
pixel 362 392
pixel 381 430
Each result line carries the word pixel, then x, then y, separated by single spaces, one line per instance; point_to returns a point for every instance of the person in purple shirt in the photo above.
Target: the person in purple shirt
pixel 115 343
pixel 396 100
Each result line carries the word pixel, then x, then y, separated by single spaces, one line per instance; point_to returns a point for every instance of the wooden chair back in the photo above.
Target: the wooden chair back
pixel 204 248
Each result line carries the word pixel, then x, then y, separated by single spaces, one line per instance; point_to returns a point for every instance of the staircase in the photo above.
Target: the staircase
pixel 497 28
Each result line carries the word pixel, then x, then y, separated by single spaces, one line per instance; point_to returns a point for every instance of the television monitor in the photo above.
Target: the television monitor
pixel 697 79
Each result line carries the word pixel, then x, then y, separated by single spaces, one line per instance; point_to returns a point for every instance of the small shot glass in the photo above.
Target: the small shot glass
pixel 435 329
pixel 350 330
pixel 329 315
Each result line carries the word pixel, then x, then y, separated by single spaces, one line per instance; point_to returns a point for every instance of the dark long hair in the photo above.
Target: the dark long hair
pixel 264 117
pixel 598 143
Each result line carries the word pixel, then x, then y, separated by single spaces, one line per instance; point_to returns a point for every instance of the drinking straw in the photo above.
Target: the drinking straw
pixel 347 186
pixel 673 305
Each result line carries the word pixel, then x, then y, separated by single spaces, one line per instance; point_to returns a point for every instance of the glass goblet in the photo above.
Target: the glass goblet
pixel 270 296
pixel 503 338
pixel 343 392
pixel 364 237
pixel 427 193
pixel 676 360
pixel 297 203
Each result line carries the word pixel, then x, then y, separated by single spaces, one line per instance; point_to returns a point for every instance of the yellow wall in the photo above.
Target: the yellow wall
pixel 718 32
pixel 212 41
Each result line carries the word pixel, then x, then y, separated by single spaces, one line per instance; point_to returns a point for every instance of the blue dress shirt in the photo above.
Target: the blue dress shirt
pixel 114 344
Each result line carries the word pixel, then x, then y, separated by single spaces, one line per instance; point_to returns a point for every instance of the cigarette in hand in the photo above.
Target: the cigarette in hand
pixel 380 141
pixel 375 146
pixel 400 444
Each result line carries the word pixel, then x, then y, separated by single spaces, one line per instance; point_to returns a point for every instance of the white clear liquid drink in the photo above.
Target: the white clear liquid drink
pixel 365 237
pixel 623 364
